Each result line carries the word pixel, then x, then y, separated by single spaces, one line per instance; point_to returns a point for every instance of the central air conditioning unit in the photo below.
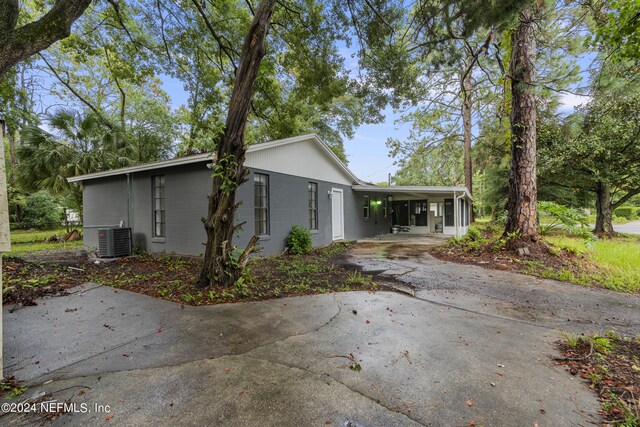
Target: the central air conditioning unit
pixel 114 242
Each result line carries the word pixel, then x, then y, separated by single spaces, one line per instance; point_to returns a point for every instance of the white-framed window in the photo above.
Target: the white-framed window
pixel 419 207
pixel 261 203
pixel 367 207
pixel 157 190
pixel 313 205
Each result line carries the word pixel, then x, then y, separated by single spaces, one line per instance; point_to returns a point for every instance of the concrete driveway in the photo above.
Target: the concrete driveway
pixel 451 355
pixel 503 294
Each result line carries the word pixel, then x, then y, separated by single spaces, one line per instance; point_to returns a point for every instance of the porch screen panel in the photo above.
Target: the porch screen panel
pixel 448 213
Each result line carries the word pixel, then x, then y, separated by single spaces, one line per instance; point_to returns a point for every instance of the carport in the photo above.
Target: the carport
pixel 423 209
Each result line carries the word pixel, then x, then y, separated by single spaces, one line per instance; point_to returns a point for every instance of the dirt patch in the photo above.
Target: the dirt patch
pixel 11 387
pixel 24 281
pixel 173 278
pixel 487 255
pixel 539 259
pixel 611 367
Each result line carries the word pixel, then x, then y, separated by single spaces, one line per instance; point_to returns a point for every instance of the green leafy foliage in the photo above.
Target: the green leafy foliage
pixel 137 249
pixel 474 234
pixel 628 212
pixel 75 144
pixel 617 28
pixel 472 241
pixel 299 240
pixel 223 169
pixel 572 221
pixel 42 211
pixel 610 363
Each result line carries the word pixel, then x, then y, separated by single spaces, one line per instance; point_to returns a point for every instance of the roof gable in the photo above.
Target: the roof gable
pixel 306 156
pixel 309 157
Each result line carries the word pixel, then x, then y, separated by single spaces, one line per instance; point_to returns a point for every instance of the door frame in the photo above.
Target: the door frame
pixel 334 191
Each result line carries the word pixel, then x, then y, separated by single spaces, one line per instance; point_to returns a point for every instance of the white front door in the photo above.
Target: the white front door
pixel 337 214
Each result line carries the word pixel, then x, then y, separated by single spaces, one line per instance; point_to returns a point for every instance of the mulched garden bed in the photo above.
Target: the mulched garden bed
pixel 24 281
pixel 611 367
pixel 173 278
pixel 541 259
pixel 488 256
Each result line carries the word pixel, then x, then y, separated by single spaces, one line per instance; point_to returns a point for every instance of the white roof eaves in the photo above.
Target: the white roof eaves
pixel 209 157
pixel 411 189
pixel 144 167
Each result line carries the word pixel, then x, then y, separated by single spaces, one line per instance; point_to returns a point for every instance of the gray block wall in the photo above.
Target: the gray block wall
pixel 186 189
pixel 104 204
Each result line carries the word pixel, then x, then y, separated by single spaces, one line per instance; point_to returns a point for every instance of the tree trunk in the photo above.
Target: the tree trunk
pixel 11 136
pixel 521 205
pixel 219 265
pixel 12 146
pixel 604 211
pixel 467 104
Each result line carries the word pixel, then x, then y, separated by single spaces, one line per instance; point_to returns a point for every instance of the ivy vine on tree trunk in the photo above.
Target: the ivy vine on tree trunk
pixel 220 265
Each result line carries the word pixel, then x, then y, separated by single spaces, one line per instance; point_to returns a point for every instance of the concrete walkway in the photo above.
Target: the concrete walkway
pixel 286 362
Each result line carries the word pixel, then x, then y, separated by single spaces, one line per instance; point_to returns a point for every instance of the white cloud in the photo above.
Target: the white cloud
pixel 569 101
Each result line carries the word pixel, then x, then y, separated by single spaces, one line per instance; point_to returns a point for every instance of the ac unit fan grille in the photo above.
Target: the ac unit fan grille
pixel 114 242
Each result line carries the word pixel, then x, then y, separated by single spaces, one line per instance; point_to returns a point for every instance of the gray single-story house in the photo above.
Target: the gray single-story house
pixel 296 180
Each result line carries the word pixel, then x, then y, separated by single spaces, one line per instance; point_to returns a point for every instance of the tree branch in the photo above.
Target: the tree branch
pixel 116 8
pixel 164 39
pixel 624 198
pixel 380 17
pixel 123 95
pixel 18 44
pixel 75 93
pixel 228 51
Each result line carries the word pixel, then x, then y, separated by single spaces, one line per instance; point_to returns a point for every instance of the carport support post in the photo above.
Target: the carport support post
pixel 5 241
pixel 456 214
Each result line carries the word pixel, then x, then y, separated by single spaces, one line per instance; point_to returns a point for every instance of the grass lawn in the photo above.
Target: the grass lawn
pixel 608 263
pixel 34 236
pixel 25 241
pixel 617 260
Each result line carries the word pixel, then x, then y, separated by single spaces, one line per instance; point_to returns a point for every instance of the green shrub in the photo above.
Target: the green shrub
pixel 570 220
pixel 474 234
pixel 137 249
pixel 299 240
pixel 628 212
pixel 41 211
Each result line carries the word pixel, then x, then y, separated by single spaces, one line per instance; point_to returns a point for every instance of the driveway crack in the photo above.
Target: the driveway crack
pixel 378 402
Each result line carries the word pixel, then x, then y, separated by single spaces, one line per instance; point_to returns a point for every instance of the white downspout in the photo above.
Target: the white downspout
pixel 456 214
pixel 456 209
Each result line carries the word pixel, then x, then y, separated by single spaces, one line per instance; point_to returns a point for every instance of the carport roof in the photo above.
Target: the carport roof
pixel 412 189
